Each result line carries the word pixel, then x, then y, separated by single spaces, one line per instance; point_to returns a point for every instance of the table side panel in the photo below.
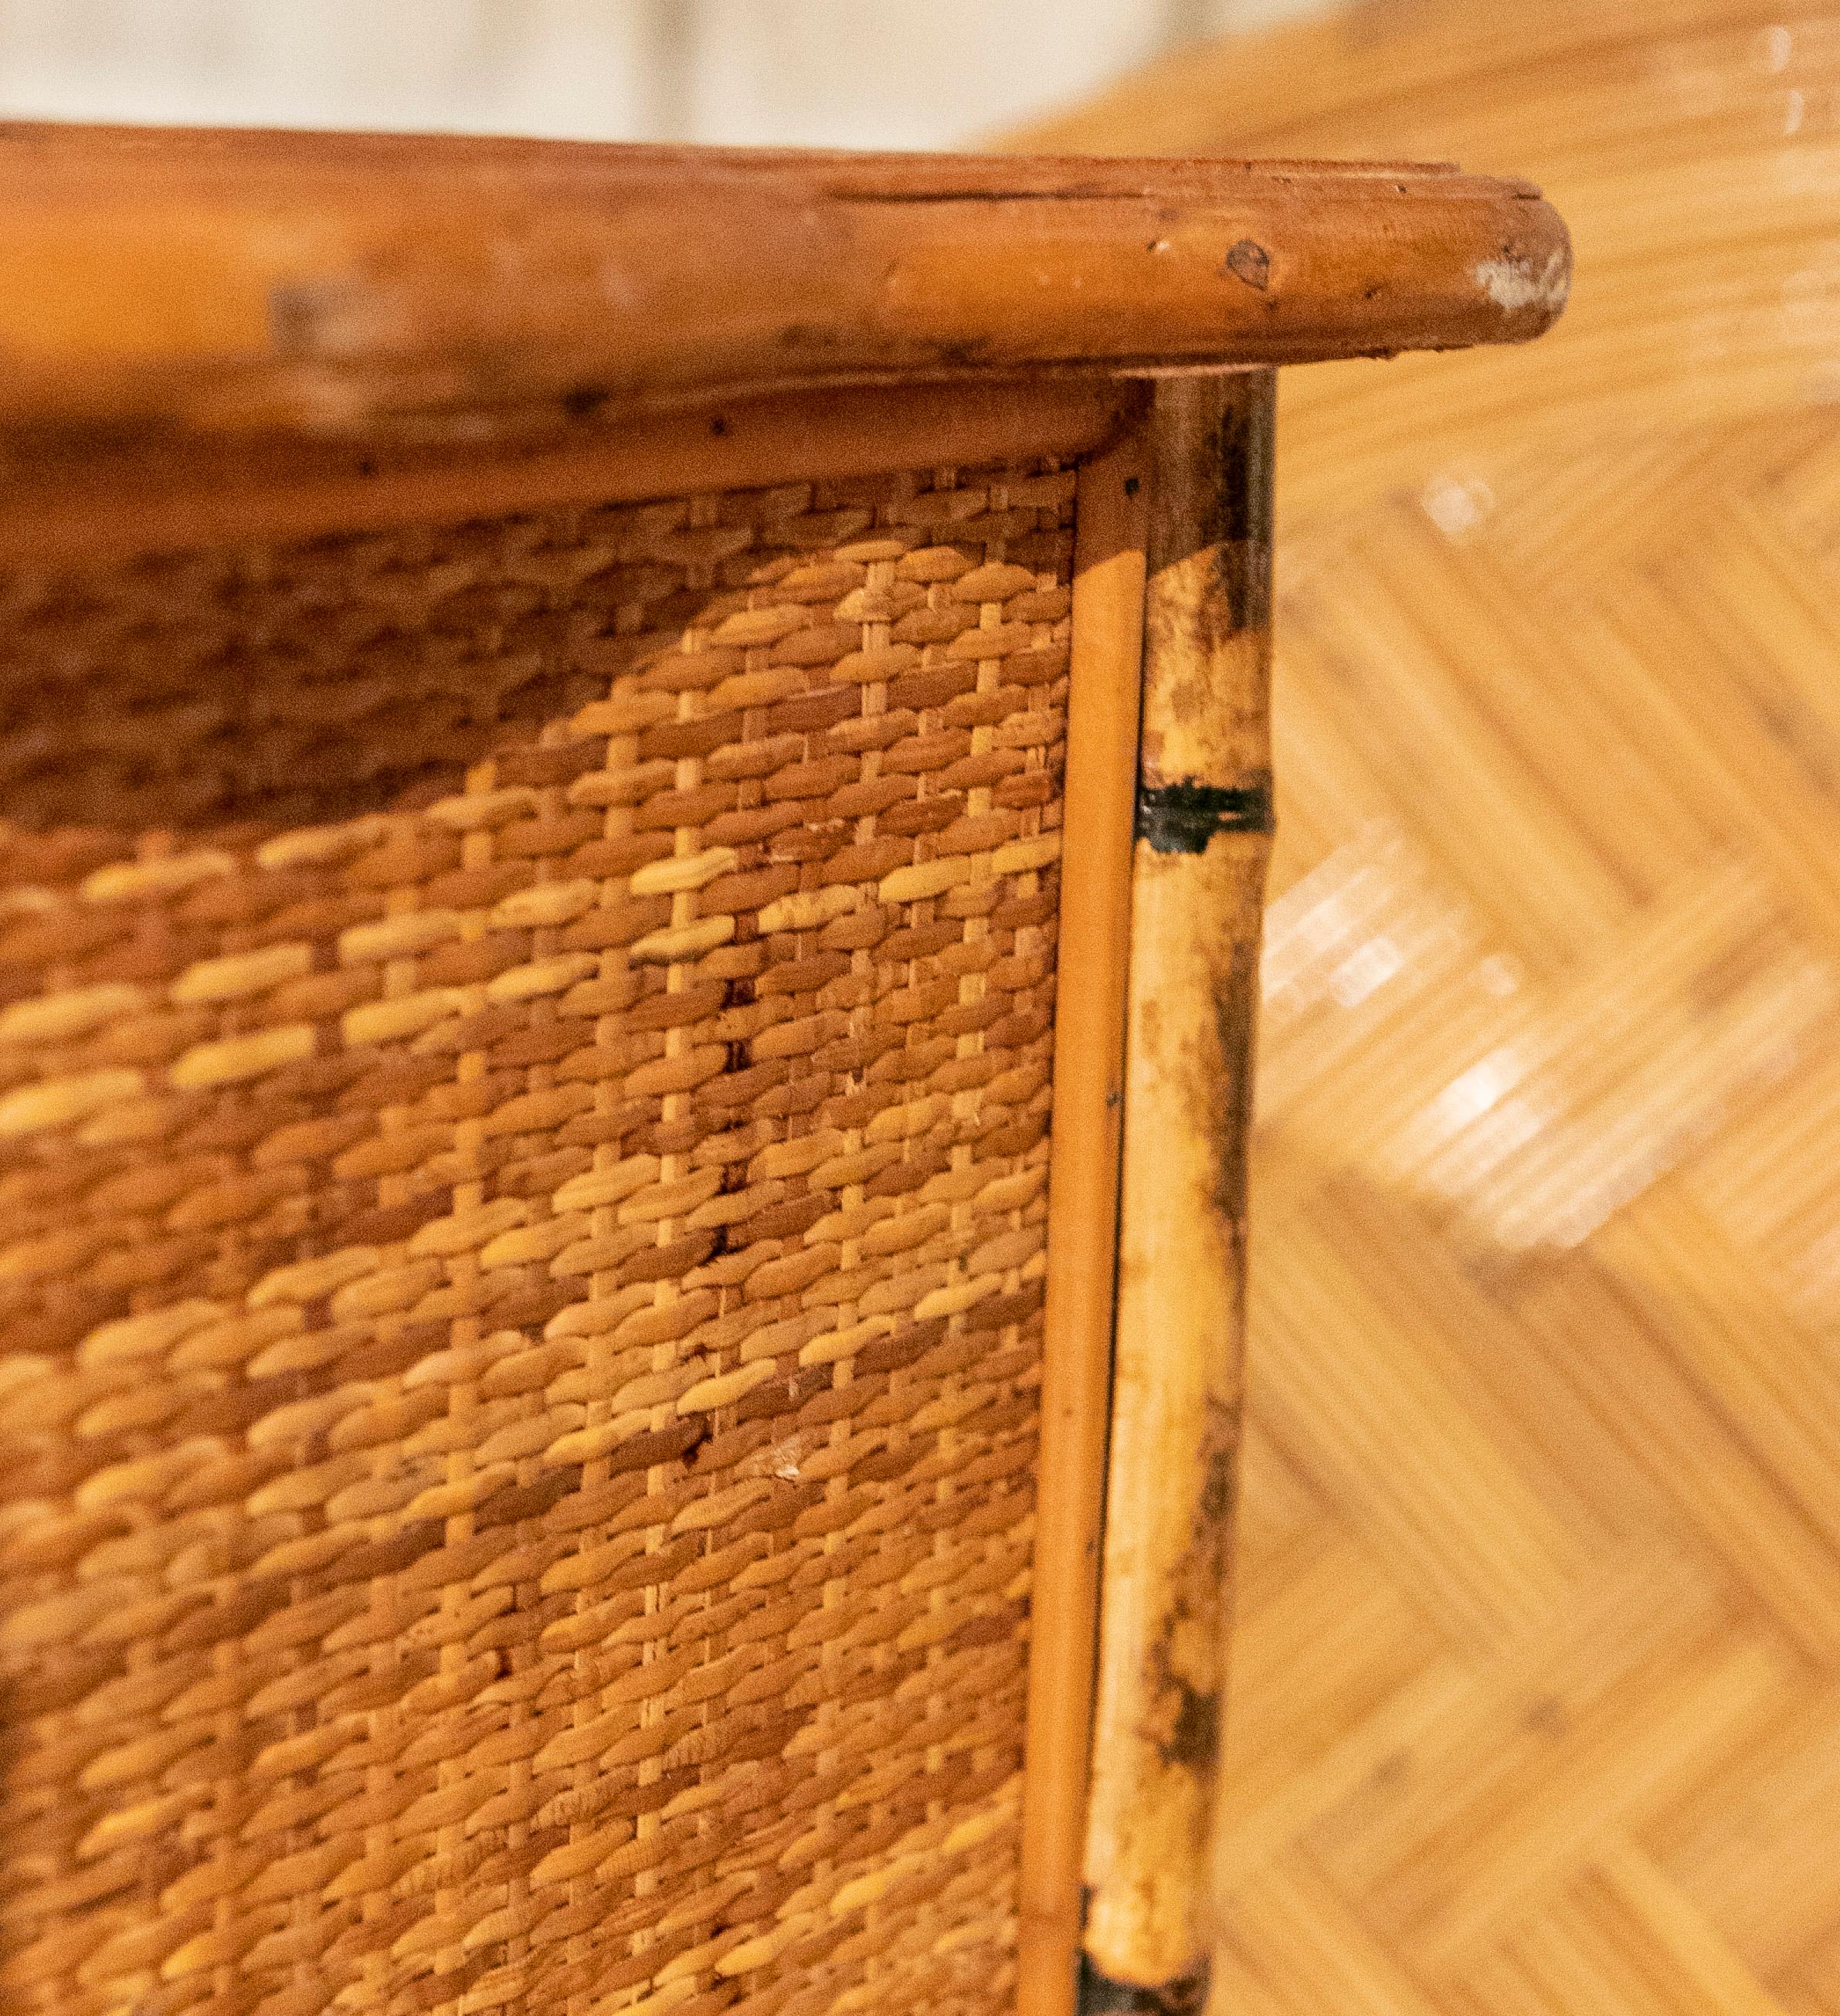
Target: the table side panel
pixel 524 1086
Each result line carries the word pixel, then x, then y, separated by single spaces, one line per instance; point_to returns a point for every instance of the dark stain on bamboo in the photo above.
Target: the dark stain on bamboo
pixel 1100 1995
pixel 1238 525
pixel 1182 817
pixel 1236 1009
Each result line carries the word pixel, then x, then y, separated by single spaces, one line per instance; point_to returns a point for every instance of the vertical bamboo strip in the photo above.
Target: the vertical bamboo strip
pixel 1203 837
pixel 1111 511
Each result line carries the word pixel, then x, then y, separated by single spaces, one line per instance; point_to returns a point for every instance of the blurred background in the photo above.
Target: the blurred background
pixel 796 72
pixel 1537 1697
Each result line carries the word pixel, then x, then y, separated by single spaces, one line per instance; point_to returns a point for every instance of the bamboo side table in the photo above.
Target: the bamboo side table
pixel 636 799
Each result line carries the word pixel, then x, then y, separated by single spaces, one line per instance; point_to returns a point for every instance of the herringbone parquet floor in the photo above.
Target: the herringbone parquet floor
pixel 1536 1696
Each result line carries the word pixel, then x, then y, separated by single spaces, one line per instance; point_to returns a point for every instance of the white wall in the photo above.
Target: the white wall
pixel 840 73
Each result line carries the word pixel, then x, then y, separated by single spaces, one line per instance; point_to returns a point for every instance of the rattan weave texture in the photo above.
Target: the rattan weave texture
pixel 523 1121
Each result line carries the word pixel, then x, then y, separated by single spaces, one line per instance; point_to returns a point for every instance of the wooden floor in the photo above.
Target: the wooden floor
pixel 1536 1700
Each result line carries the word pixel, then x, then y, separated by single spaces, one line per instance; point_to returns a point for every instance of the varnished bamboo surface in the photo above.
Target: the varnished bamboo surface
pixel 1534 1703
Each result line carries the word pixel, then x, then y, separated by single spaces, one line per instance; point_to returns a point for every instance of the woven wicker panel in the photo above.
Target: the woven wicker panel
pixel 524 1100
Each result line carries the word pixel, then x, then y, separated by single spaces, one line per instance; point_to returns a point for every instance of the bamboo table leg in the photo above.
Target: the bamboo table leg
pixel 1203 838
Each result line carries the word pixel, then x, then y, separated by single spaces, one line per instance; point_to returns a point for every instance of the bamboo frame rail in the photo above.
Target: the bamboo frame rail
pixel 113 500
pixel 1111 521
pixel 213 282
